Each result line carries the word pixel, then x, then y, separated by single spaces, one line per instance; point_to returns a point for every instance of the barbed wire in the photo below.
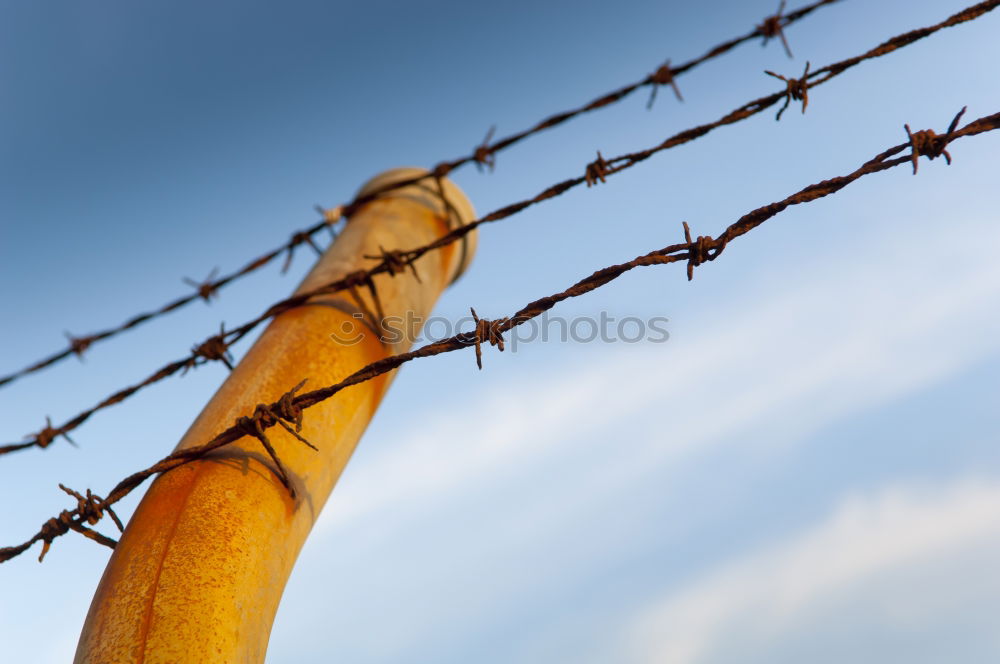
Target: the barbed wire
pixel 215 347
pixel 483 155
pixel 204 290
pixel 288 409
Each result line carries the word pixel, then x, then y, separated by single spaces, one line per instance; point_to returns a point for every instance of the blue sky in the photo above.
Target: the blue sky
pixel 806 470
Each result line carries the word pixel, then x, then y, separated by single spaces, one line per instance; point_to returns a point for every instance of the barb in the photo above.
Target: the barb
pixel 289 407
pixel 487 331
pixel 89 510
pixel 662 76
pixel 929 144
pixel 79 345
pixel 42 438
pixel 207 288
pixel 483 155
pixel 351 281
pixel 596 170
pixel 700 251
pixel 92 508
pixel 299 237
pixel 213 349
pixel 284 411
pixel 395 262
pixel 774 26
pixel 797 90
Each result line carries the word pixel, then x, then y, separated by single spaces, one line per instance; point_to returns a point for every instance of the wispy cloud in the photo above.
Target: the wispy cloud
pixel 760 596
pixel 768 368
pixel 780 361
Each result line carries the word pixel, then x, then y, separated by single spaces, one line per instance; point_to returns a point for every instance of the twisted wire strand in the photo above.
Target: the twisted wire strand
pixel 482 155
pixel 594 172
pixel 291 406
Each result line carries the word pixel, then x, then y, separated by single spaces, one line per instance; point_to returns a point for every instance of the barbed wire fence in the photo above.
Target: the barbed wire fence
pixel 484 155
pixel 216 347
pixel 287 411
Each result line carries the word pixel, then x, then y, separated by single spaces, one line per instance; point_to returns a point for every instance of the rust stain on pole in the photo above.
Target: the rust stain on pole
pixel 200 569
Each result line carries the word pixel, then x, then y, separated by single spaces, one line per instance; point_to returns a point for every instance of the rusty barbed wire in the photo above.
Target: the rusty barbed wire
pixel 596 170
pixel 774 26
pixel 929 144
pixel 593 172
pixel 206 288
pixel 484 155
pixel 203 290
pixel 487 331
pixel 299 237
pixel 213 349
pixel 663 76
pixel 395 262
pixel 282 412
pixel 289 407
pixel 43 438
pixel 89 510
pixel 797 89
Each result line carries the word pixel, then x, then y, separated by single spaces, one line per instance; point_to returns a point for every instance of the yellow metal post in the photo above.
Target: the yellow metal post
pixel 200 569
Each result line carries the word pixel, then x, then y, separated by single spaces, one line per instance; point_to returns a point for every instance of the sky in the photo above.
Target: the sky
pixel 805 470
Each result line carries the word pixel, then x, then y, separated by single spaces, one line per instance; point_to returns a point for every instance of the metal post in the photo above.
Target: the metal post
pixel 199 572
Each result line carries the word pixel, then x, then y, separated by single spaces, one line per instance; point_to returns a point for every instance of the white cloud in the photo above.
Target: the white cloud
pixel 431 462
pixel 767 368
pixel 916 534
pixel 782 362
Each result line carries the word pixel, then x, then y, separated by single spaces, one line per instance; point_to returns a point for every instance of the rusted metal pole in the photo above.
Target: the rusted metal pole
pixel 199 572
